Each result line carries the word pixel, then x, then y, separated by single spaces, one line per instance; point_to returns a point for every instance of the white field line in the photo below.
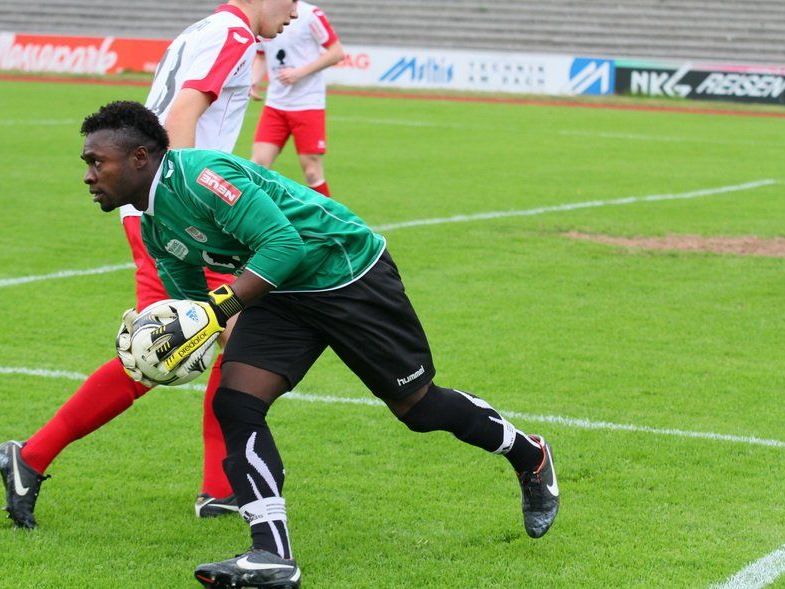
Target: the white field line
pixel 664 138
pixel 758 574
pixel 63 274
pixel 578 205
pixel 460 219
pixel 558 420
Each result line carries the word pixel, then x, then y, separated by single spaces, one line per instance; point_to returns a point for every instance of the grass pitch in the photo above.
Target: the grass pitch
pixel 537 324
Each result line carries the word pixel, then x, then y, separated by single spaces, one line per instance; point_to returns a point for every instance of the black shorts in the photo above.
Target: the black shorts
pixel 370 324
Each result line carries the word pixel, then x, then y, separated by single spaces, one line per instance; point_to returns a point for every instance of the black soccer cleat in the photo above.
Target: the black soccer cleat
pixel 255 568
pixel 22 485
pixel 209 506
pixel 540 492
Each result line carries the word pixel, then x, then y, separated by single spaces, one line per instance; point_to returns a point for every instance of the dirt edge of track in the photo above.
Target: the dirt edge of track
pixel 748 245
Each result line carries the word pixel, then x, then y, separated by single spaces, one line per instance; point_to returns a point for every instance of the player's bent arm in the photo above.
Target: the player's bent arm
pixel 333 55
pixel 258 74
pixel 227 301
pixel 256 222
pixel 174 342
pixel 181 122
pixel 249 287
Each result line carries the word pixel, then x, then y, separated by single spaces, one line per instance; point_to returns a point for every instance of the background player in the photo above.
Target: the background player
pixel 295 102
pixel 311 275
pixel 200 93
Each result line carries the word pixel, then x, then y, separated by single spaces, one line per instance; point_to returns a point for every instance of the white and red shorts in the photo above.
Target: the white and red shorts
pixel 149 288
pixel 307 126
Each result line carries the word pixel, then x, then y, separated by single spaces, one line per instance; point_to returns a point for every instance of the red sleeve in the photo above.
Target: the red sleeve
pixel 322 30
pixel 235 46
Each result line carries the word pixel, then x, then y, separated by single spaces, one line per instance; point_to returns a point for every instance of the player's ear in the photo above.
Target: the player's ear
pixel 140 157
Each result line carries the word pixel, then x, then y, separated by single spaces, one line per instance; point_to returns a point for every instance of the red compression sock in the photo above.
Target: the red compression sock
pixel 103 396
pixel 322 188
pixel 214 481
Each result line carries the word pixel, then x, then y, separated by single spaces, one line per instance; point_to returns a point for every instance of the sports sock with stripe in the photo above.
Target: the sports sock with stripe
pixel 254 467
pixel 472 420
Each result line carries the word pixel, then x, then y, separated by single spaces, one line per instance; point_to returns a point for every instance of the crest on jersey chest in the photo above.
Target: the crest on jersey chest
pixel 196 234
pixel 177 248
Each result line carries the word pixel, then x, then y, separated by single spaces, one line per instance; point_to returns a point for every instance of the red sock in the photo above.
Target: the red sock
pixel 103 396
pixel 322 188
pixel 214 481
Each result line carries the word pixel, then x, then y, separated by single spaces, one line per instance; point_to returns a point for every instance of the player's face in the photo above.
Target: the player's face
pixel 110 170
pixel 275 15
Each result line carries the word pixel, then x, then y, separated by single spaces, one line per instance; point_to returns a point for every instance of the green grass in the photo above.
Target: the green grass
pixel 529 320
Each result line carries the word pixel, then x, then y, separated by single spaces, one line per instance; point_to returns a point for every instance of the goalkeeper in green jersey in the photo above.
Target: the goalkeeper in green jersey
pixel 310 274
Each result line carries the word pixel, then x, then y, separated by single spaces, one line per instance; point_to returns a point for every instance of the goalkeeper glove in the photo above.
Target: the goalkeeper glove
pixel 123 347
pixel 191 329
pixel 225 303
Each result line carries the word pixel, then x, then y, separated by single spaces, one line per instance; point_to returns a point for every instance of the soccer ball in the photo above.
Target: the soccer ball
pixel 150 319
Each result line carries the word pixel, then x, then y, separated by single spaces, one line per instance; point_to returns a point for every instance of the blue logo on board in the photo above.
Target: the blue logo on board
pixel 592 76
pixel 412 69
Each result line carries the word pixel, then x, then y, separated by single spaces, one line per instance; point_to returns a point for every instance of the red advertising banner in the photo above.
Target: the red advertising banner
pixel 79 55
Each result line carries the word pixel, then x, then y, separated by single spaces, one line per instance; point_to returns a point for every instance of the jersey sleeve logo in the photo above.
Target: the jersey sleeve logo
pixel 241 39
pixel 222 188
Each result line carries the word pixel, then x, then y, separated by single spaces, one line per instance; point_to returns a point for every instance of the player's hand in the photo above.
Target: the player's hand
pixel 123 347
pixel 255 92
pixel 192 326
pixel 189 328
pixel 290 75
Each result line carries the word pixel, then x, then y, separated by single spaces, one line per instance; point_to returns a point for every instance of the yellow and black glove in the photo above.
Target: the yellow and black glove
pixel 194 324
pixel 225 303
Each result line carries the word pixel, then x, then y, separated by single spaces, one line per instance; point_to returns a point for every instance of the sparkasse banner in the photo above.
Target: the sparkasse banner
pixel 702 81
pixel 79 55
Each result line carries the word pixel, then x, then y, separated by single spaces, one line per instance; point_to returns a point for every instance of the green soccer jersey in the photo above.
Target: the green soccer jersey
pixel 216 210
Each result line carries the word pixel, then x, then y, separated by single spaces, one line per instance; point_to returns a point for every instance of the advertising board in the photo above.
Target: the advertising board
pixel 78 55
pixel 473 70
pixel 701 81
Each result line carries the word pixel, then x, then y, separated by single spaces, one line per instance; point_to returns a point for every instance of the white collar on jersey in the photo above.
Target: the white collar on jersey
pixel 151 197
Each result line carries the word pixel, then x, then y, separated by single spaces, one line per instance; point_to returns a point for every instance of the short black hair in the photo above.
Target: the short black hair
pixel 139 124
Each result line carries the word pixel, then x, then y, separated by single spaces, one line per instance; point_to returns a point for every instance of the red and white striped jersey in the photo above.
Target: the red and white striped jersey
pixel 214 56
pixel 301 42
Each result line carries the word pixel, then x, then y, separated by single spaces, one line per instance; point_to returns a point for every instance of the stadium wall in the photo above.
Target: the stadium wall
pixel 406 67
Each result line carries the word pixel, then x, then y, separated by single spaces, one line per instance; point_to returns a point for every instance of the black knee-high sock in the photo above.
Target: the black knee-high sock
pixel 475 422
pixel 254 468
